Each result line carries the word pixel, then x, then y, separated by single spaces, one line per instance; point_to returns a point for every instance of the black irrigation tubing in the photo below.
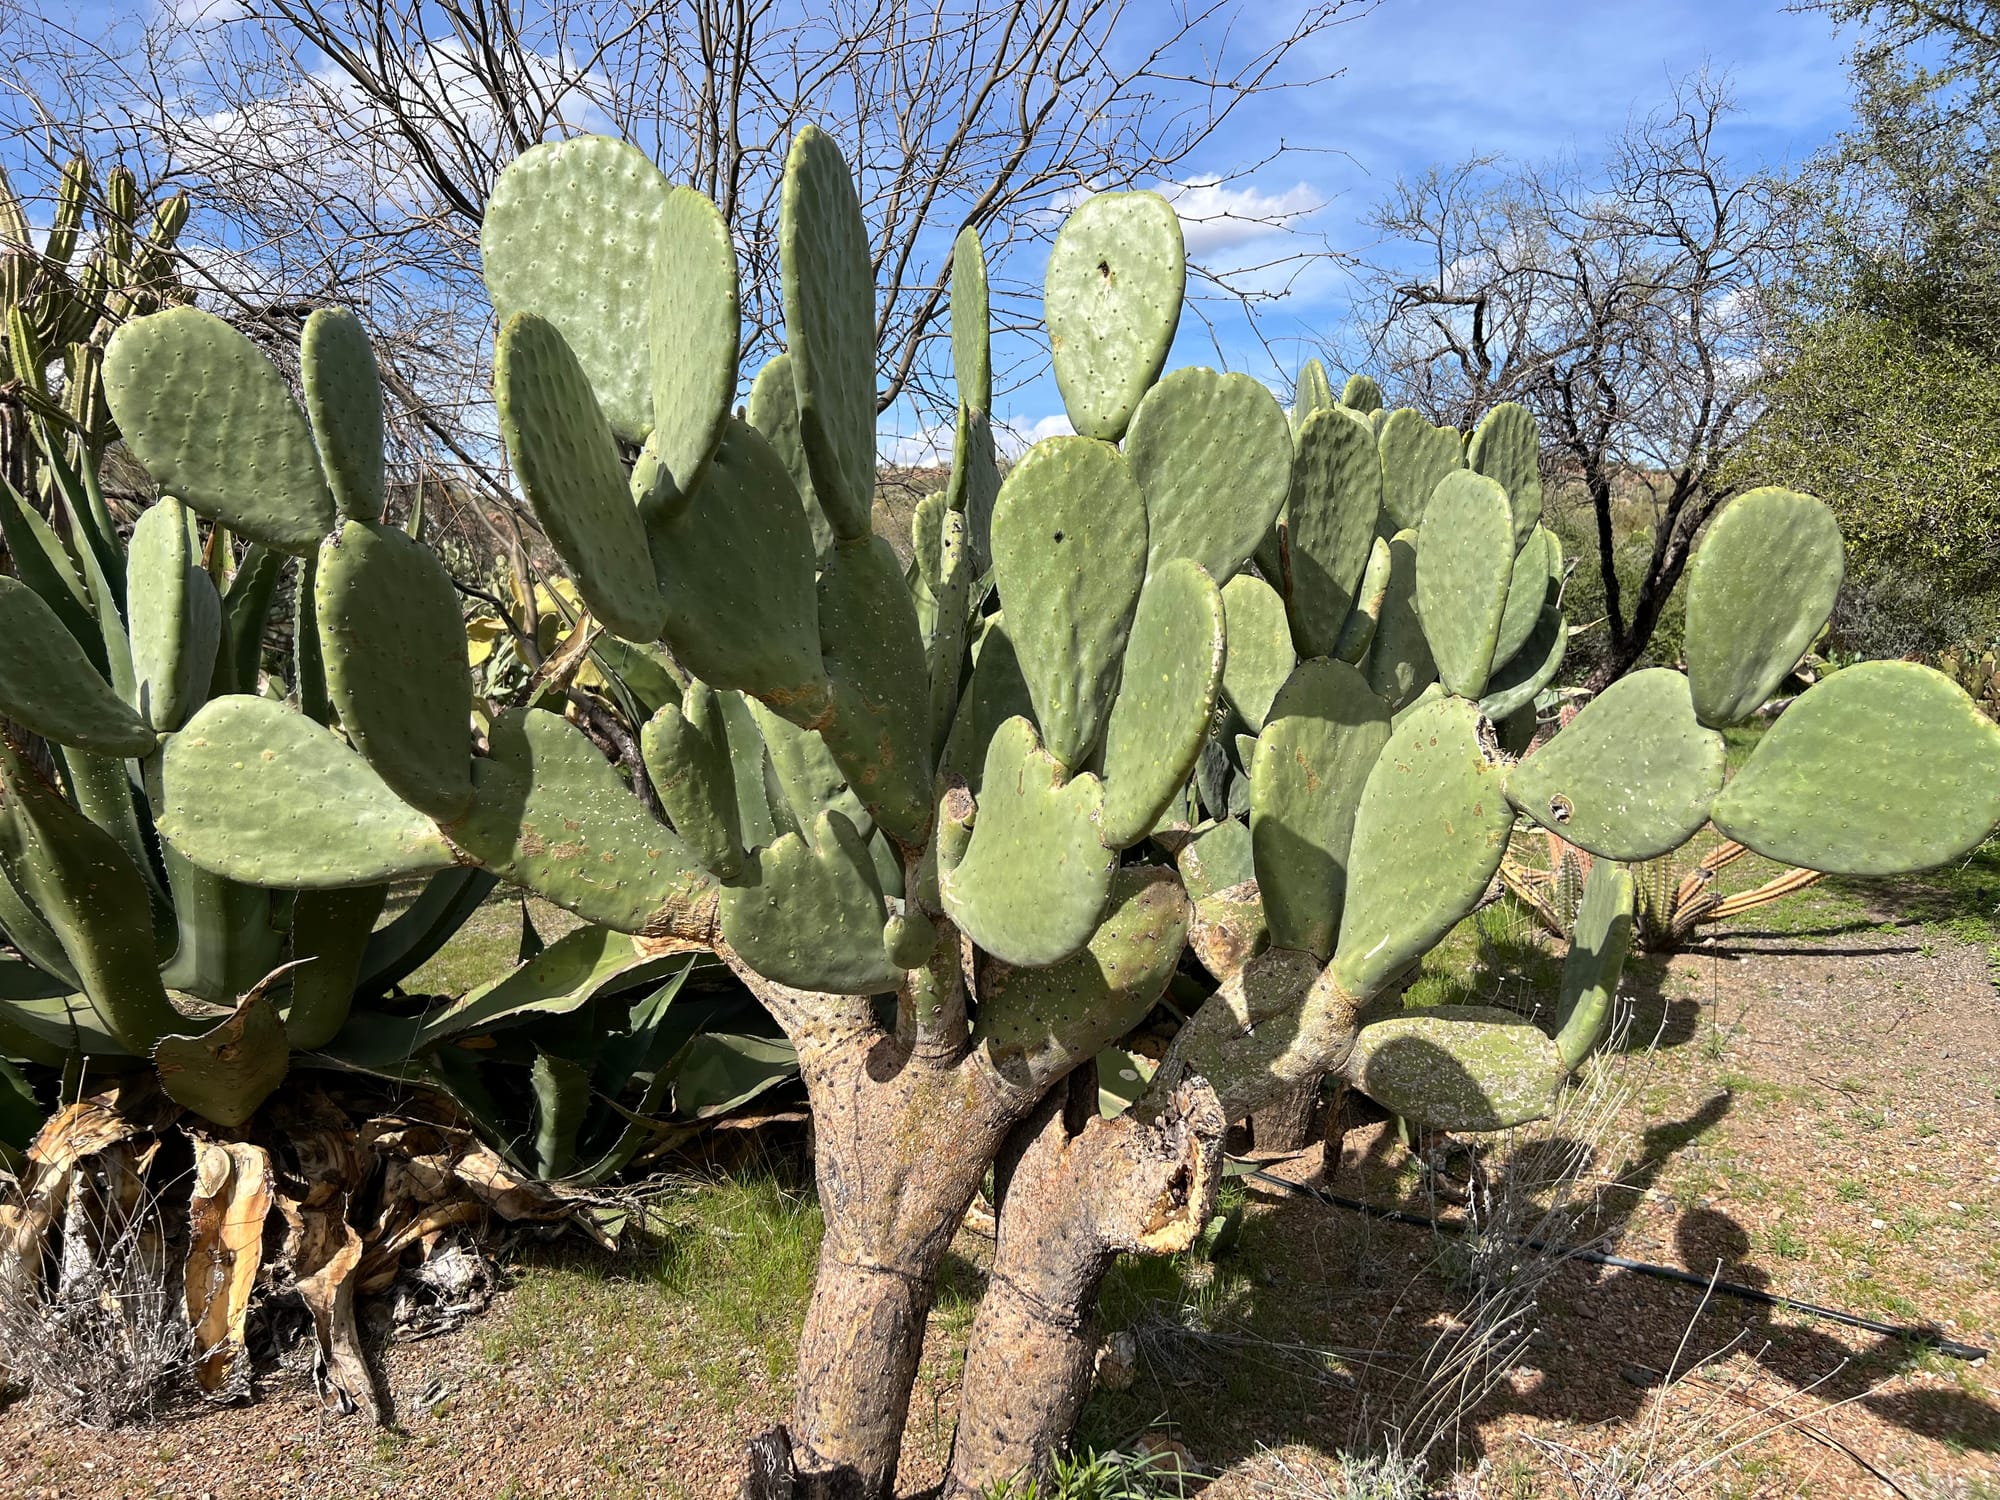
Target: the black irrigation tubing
pixel 1927 1336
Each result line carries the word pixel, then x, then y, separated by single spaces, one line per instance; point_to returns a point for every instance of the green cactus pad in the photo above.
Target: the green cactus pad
pixel 1631 777
pixel 1229 928
pixel 49 686
pixel 696 330
pixel 211 419
pixel 880 731
pixel 1313 392
pixel 1465 558
pixel 1217 859
pixel 1358 634
pixel 1032 881
pixel 330 929
pixel 566 456
pixel 1400 664
pixel 996 692
pixel 975 483
pixel 909 938
pixel 774 411
pixel 569 234
pixel 1457 1067
pixel 806 777
pixel 394 652
pixel 1112 300
pixel 78 882
pixel 971 323
pixel 175 617
pixel 1361 394
pixel 741 552
pixel 1173 667
pixel 226 1073
pixel 1197 436
pixel 945 650
pixel 1882 768
pixel 343 394
pixel 687 752
pixel 1530 589
pixel 1415 456
pixel 1597 948
pixel 1515 686
pixel 1761 585
pixel 260 794
pixel 1069 555
pixel 1313 758
pixel 1428 836
pixel 549 813
pixel 1260 655
pixel 1336 496
pixel 1506 448
pixel 1038 1023
pixel 810 914
pixel 829 283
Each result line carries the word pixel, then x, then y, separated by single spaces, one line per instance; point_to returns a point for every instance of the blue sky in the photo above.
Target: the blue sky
pixel 1437 81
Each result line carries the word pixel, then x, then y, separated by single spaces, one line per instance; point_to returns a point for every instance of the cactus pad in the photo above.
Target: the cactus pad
pixel 1400 665
pixel 1336 496
pixel 971 323
pixel 1196 438
pixel 394 654
pixel 687 753
pixel 1465 558
pixel 1514 686
pixel 1883 768
pixel 774 411
pixel 880 732
pixel 213 422
pixel 1069 554
pixel 1597 948
pixel 1532 586
pixel 1260 655
pixel 696 330
pixel 1112 300
pixel 343 394
pixel 829 285
pixel 1313 392
pixel 49 686
pixel 569 234
pixel 175 617
pixel 1415 456
pixel 1032 881
pixel 324 819
pixel 1172 669
pixel 1507 449
pixel 1428 836
pixel 1313 758
pixel 1361 394
pixel 1743 633
pixel 566 456
pixel 1630 777
pixel 742 551
pixel 1038 1023
pixel 810 914
pixel 1457 1067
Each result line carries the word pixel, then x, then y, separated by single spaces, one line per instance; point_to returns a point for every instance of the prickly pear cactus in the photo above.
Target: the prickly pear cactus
pixel 1235 686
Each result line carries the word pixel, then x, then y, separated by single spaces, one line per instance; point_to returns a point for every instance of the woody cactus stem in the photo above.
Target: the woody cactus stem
pixel 1076 1191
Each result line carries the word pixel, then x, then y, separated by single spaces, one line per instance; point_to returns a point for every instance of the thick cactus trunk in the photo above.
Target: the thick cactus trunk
pixel 1079 1190
pixel 904 1130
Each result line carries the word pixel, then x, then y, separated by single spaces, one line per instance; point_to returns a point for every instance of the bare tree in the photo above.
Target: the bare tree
pixel 343 150
pixel 1626 305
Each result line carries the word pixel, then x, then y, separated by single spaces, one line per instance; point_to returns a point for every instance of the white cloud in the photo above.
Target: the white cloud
pixel 1217 216
pixel 1013 436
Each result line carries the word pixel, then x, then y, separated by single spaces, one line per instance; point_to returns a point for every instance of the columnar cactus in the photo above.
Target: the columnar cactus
pixel 971 799
pixel 58 316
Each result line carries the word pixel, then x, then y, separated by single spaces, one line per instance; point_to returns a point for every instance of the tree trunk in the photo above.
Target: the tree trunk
pixel 1289 1123
pixel 1079 1190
